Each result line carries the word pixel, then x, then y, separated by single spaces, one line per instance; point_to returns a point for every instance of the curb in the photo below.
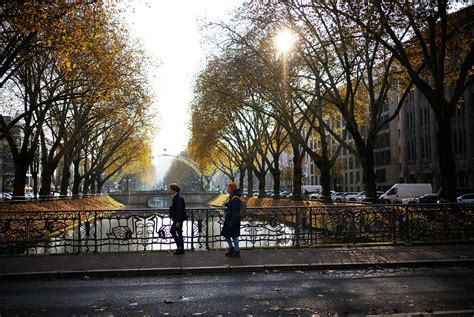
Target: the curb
pixel 86 274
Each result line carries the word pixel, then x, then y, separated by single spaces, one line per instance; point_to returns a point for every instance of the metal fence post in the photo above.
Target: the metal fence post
pixel 79 241
pixel 311 225
pixel 297 230
pixel 95 231
pixel 27 233
pixel 445 224
pixel 192 230
pixel 408 224
pixel 393 228
pixel 207 229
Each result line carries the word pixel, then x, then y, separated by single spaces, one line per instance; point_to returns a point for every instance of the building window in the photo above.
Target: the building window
pixel 380 176
pixel 422 139
pixel 388 157
pixel 351 163
pixel 357 177
pixel 351 178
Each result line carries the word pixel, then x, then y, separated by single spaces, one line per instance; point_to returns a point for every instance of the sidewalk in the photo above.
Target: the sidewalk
pixel 195 262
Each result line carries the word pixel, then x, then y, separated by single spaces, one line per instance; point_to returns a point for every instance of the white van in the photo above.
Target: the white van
pixel 309 189
pixel 398 192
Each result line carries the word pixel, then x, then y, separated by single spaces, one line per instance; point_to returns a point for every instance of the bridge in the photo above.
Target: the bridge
pixel 147 198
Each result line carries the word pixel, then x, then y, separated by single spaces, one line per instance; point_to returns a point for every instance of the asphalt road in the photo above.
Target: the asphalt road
pixel 347 292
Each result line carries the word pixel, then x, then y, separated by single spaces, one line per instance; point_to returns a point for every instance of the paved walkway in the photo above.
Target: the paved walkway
pixel 193 262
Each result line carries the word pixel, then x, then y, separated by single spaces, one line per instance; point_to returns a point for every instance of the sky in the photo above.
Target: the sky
pixel 169 32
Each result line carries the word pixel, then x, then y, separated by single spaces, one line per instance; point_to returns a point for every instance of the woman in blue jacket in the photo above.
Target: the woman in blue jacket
pixel 231 229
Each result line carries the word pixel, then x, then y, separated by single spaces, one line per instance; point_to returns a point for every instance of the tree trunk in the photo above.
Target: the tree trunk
pixel 100 184
pixel 21 168
pixel 34 174
pixel 47 177
pixel 241 179
pixel 297 172
pixel 77 178
pixel 250 181
pixel 368 174
pixel 325 170
pixel 66 175
pixel 93 182
pixel 447 164
pixel 277 181
pixel 261 184
pixel 86 185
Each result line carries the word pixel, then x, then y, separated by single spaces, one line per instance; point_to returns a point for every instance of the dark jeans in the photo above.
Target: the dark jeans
pixel 177 234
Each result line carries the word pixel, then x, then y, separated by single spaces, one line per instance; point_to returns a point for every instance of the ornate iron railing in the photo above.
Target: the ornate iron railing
pixel 48 232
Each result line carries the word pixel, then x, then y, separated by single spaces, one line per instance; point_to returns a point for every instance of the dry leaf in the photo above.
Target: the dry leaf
pixel 168 301
pixel 275 308
pixel 254 274
pixel 277 289
pixel 299 272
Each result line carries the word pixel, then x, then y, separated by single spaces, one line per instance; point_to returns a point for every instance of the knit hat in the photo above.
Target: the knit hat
pixel 232 186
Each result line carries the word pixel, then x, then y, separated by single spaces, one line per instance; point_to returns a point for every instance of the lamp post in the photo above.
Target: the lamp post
pixel 284 41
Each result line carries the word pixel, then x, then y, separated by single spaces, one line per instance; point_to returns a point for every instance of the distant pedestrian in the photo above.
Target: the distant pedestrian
pixel 178 215
pixel 231 229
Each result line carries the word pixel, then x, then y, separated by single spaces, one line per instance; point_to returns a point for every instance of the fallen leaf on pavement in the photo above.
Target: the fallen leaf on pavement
pixel 275 308
pixel 276 271
pixel 299 272
pixel 265 302
pixel 168 301
pixel 254 274
pixel 267 272
pixel 277 289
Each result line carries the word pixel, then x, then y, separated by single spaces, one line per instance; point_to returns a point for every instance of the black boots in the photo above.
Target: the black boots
pixel 179 251
pixel 235 254
pixel 231 251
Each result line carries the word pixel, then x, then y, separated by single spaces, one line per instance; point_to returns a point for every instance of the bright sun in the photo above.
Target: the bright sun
pixel 284 41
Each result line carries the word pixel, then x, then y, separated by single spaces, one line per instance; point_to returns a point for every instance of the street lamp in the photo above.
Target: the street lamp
pixel 284 41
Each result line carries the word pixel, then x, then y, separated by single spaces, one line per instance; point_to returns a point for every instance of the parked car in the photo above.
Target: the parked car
pixel 427 199
pixel 399 193
pixel 7 196
pixel 357 197
pixel 466 199
pixel 377 195
pixel 318 196
pixel 339 197
pixel 284 194
pixel 314 196
pixel 306 190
